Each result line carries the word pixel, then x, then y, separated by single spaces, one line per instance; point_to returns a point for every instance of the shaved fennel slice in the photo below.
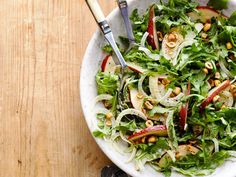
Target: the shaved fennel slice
pixel 216 144
pixel 182 45
pixel 129 112
pixel 149 53
pixel 224 69
pixel 132 156
pixel 144 38
pixel 102 97
pixel 198 27
pixel 140 86
pixel 157 91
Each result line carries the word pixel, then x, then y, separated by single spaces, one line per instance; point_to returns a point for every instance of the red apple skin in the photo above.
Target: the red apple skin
pixel 104 62
pixel 152 38
pixel 159 130
pixel 209 99
pixel 209 8
pixel 135 68
pixel 184 111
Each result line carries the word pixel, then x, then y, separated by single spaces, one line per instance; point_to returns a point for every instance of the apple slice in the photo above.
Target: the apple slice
pixel 136 68
pixel 152 38
pixel 108 65
pixel 159 130
pixel 184 111
pixel 135 101
pixel 213 93
pixel 205 14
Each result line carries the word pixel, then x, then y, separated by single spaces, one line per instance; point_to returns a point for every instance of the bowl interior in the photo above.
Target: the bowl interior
pixel 89 68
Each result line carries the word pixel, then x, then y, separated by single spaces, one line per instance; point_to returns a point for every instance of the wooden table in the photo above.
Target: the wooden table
pixel 43 132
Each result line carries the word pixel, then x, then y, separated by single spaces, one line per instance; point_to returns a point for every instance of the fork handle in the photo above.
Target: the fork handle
pixel 96 10
pixel 123 5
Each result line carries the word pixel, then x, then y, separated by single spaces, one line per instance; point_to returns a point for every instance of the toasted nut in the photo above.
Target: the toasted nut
pixel 172 37
pixel 108 123
pixel 149 123
pixel 217 75
pixel 211 82
pixel 152 101
pixel 209 65
pixel 144 111
pixel 143 140
pixel 177 155
pixel 232 88
pixel 152 139
pixel 160 36
pixel 204 35
pixel 165 81
pixel 192 141
pixel 177 90
pixel 109 115
pixel 229 45
pixel 223 106
pixel 217 83
pixel 172 95
pixel 139 96
pixel 216 98
pixel 148 105
pixel 205 70
pixel 192 150
pixel 171 44
pixel 107 104
pixel 207 27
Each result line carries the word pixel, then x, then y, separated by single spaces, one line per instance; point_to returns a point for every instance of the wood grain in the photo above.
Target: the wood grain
pixel 42 129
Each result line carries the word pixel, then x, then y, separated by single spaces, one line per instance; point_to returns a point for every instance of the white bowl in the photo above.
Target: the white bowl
pixel 90 66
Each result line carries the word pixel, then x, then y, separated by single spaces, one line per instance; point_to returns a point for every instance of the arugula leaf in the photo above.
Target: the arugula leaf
pixel 218 4
pixel 107 83
pixel 99 134
pixel 232 19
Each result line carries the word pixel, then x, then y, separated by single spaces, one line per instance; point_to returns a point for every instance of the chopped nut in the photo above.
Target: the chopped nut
pixel 152 139
pixel 216 98
pixel 107 104
pixel 172 37
pixel 143 140
pixel 204 35
pixel 223 106
pixel 160 36
pixel 217 75
pixel 152 101
pixel 165 81
pixel 192 150
pixel 232 88
pixel 207 27
pixel 108 123
pixel 192 141
pixel 229 45
pixel 109 115
pixel 177 90
pixel 139 96
pixel 205 70
pixel 149 123
pixel 231 56
pixel 148 105
pixel 144 111
pixel 211 82
pixel 217 83
pixel 209 65
pixel 172 95
pixel 171 44
pixel 177 155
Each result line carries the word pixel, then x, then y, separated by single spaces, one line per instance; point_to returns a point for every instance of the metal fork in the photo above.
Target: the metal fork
pixel 124 9
pixel 106 30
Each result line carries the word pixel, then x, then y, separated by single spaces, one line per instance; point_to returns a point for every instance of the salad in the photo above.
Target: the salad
pixel 175 104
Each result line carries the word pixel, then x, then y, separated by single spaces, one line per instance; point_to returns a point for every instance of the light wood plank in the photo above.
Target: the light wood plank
pixel 43 132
